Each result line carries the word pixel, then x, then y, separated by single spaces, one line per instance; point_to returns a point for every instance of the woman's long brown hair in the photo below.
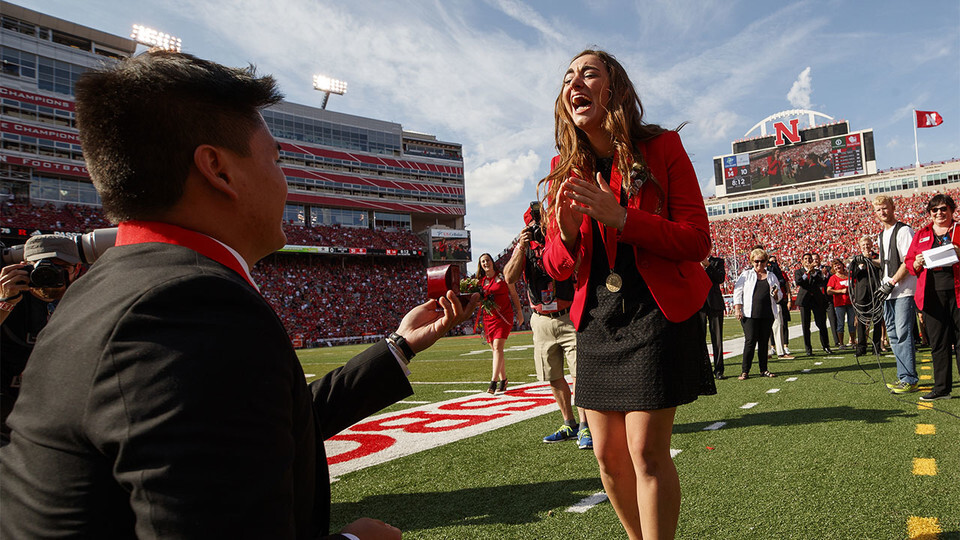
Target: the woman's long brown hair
pixel 624 121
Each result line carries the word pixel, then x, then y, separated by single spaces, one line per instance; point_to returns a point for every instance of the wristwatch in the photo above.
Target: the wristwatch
pixel 401 343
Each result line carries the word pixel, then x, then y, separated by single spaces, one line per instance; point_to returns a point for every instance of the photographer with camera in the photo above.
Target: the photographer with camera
pixel 29 292
pixel 554 335
pixel 864 272
pixel 812 300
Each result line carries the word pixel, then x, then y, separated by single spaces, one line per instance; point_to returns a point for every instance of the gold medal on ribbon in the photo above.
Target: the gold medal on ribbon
pixel 614 282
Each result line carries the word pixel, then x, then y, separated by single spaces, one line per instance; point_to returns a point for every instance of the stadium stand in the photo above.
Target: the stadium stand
pixel 830 230
pixel 327 299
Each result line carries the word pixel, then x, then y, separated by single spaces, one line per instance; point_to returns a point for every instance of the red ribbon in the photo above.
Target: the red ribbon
pixel 142 232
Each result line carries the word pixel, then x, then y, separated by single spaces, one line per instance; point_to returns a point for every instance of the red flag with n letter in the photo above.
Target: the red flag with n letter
pixel 926 119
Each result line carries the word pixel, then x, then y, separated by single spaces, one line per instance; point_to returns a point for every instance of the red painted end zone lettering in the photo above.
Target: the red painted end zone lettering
pixel 389 436
pixel 424 422
pixel 370 443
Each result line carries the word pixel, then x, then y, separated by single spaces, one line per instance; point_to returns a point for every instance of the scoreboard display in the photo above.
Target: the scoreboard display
pixel 847 155
pixel 790 164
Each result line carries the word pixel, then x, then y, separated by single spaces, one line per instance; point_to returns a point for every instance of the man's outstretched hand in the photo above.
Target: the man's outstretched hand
pixel 430 321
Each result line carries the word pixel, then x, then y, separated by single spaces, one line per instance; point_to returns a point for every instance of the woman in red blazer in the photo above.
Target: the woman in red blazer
pixel 629 221
pixel 938 292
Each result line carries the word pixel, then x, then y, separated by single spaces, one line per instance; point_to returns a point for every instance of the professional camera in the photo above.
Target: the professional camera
pixel 90 247
pixel 533 224
pixel 717 263
pixel 46 273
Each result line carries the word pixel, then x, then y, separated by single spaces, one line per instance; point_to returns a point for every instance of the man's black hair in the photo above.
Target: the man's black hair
pixel 141 120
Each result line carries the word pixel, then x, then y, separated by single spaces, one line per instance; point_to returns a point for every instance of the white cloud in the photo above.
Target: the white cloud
pixel 502 180
pixel 523 13
pixel 799 94
pixel 893 142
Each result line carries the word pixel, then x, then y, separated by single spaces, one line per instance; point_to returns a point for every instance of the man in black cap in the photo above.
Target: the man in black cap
pixel 25 307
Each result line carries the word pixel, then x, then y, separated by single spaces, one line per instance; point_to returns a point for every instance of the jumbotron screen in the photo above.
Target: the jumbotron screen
pixel 809 161
pixel 449 245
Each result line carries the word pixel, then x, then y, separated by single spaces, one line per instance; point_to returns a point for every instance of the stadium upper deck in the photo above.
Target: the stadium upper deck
pixel 341 169
pixel 805 164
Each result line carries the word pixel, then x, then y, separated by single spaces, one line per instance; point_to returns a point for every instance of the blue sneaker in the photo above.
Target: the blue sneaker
pixel 565 433
pixel 584 440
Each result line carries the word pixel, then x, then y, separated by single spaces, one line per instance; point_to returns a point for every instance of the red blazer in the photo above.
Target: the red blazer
pixel 668 247
pixel 923 241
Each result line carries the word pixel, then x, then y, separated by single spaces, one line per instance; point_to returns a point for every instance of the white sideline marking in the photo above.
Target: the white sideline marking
pixel 413 402
pixel 773 390
pixel 749 405
pixel 309 375
pixel 518 348
pixel 791 379
pixel 714 426
pixel 674 452
pixel 834 357
pixel 818 363
pixel 588 503
pixel 806 370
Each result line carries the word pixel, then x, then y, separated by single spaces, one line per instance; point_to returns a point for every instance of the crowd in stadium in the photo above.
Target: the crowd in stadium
pixel 328 299
pixel 831 231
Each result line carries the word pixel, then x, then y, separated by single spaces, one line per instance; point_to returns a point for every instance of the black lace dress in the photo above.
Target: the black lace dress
pixel 629 356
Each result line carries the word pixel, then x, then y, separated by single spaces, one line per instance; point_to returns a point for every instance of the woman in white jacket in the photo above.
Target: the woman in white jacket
pixel 755 298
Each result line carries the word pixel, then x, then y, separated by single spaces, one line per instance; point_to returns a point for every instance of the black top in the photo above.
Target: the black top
pixel 943 276
pixel 761 301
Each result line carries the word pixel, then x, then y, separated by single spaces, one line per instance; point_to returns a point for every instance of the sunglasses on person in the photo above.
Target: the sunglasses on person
pixel 759 262
pixel 941 209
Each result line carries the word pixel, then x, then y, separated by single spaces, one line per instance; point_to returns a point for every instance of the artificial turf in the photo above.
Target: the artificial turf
pixel 829 455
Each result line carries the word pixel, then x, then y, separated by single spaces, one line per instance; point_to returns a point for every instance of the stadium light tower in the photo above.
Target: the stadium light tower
pixel 328 86
pixel 154 38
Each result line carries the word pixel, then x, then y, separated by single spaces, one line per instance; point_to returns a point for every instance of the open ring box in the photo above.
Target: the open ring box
pixel 441 279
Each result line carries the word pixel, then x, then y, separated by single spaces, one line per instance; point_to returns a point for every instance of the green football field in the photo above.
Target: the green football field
pixel 831 454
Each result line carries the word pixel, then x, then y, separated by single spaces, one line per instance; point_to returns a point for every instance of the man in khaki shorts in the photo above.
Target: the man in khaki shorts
pixel 554 336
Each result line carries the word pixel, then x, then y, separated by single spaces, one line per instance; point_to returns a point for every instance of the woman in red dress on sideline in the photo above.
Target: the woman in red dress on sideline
pixel 629 219
pixel 498 322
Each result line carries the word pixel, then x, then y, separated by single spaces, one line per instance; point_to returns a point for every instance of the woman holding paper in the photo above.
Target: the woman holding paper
pixel 938 293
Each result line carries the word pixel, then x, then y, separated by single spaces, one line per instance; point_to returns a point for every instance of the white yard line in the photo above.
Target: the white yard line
pixel 588 503
pixel 749 405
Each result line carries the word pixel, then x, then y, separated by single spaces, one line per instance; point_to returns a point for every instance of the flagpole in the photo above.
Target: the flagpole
pixel 916 146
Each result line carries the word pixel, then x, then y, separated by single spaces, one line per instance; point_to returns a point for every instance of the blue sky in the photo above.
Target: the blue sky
pixel 486 73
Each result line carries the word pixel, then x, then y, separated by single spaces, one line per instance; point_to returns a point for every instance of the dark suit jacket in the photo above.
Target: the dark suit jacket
pixel 717 275
pixel 164 400
pixel 810 287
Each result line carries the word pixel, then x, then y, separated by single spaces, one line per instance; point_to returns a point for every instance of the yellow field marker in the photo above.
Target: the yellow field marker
pixel 923 528
pixel 926 429
pixel 924 466
pixel 926 377
pixel 926 368
pixel 922 405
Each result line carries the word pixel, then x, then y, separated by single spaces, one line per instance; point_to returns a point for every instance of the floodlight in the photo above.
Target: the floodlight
pixel 328 86
pixel 154 38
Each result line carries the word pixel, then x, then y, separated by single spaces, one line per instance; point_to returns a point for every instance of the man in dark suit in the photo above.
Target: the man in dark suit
pixel 811 298
pixel 712 312
pixel 164 398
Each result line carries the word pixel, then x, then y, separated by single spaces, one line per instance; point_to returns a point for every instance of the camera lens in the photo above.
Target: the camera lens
pixel 47 274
